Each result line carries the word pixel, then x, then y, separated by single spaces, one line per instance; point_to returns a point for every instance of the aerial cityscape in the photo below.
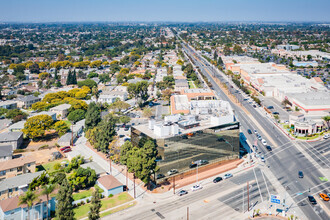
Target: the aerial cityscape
pixel 164 110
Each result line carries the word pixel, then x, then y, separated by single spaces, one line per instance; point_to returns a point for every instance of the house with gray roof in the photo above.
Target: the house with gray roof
pixel 16 185
pixel 18 126
pixel 15 139
pixel 61 110
pixel 6 152
pixel 27 101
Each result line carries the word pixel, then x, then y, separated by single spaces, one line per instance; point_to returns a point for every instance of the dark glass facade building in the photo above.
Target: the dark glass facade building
pixel 210 144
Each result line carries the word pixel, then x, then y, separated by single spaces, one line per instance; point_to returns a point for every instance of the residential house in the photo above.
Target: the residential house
pixel 61 110
pixel 93 165
pixel 110 185
pixel 11 210
pixel 17 185
pixel 6 152
pixel 16 127
pixel 15 139
pixel 15 167
pixel 49 113
pixel 9 104
pixel 27 101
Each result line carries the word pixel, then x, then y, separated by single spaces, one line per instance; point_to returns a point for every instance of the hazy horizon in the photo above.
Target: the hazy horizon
pixel 38 11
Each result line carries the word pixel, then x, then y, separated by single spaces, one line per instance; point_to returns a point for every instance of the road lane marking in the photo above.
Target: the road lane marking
pixel 262 200
pixel 265 182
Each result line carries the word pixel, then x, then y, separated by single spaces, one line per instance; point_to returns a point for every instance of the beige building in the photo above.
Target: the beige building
pixel 17 167
pixel 61 111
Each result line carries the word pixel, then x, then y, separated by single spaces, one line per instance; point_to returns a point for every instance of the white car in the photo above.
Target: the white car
pixel 326 136
pixel 172 171
pixel 264 142
pixel 196 187
pixel 262 159
pixel 227 176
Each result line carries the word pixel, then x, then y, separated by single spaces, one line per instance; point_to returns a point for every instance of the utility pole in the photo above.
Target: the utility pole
pixel 187 213
pixel 134 185
pixel 248 198
pixel 126 175
pixel 197 174
pixel 173 184
pixel 72 134
pixel 110 165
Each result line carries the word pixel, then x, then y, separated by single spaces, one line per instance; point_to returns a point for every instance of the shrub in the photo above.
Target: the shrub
pixel 110 196
pixel 43 147
pixel 18 151
pixel 82 203
pixel 87 201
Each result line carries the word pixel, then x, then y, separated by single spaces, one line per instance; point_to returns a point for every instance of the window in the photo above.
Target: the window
pixel 2 173
pixel 10 190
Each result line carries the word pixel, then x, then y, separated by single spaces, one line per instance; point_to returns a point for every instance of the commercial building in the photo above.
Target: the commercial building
pixel 207 136
pixel 228 61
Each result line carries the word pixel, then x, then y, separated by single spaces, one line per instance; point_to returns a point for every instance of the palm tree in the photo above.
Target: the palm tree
pixel 47 190
pixel 28 198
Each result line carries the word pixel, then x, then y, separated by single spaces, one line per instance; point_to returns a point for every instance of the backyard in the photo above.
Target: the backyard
pixel 107 203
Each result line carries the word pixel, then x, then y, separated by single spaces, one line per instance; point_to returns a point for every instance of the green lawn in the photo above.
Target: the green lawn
pixel 117 209
pixel 83 194
pixel 192 85
pixel 81 211
pixel 50 166
pixel 68 123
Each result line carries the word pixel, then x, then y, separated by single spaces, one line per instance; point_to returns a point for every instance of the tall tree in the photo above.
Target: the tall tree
pixel 124 150
pixel 106 133
pixel 47 190
pixel 215 56
pixel 93 116
pixel 28 198
pixel 74 78
pixel 69 78
pixel 94 211
pixel 64 207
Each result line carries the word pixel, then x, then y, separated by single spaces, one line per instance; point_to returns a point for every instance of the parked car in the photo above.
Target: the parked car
pixel 269 148
pixel 182 192
pixel 312 200
pixel 300 174
pixel 160 176
pixel 249 131
pixel 66 150
pixel 264 142
pixel 193 165
pixel 63 148
pixel 221 139
pixel 217 179
pixel 259 138
pixel 196 187
pixel 227 176
pixel 255 131
pixel 324 196
pixel 172 171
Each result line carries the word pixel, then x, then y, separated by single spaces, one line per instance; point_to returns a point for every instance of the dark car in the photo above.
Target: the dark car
pixel 193 165
pixel 276 113
pixel 269 148
pixel 221 139
pixel 300 174
pixel 249 131
pixel 217 179
pixel 160 176
pixel 126 129
pixel 182 192
pixel 270 107
pixel 312 200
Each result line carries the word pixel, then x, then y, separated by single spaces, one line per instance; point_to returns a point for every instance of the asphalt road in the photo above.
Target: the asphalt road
pixel 221 199
pixel 286 159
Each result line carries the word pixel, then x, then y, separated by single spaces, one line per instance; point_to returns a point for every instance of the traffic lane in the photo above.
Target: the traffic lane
pixel 184 201
pixel 318 157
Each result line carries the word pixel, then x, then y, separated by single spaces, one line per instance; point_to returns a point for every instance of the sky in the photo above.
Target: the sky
pixel 164 10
